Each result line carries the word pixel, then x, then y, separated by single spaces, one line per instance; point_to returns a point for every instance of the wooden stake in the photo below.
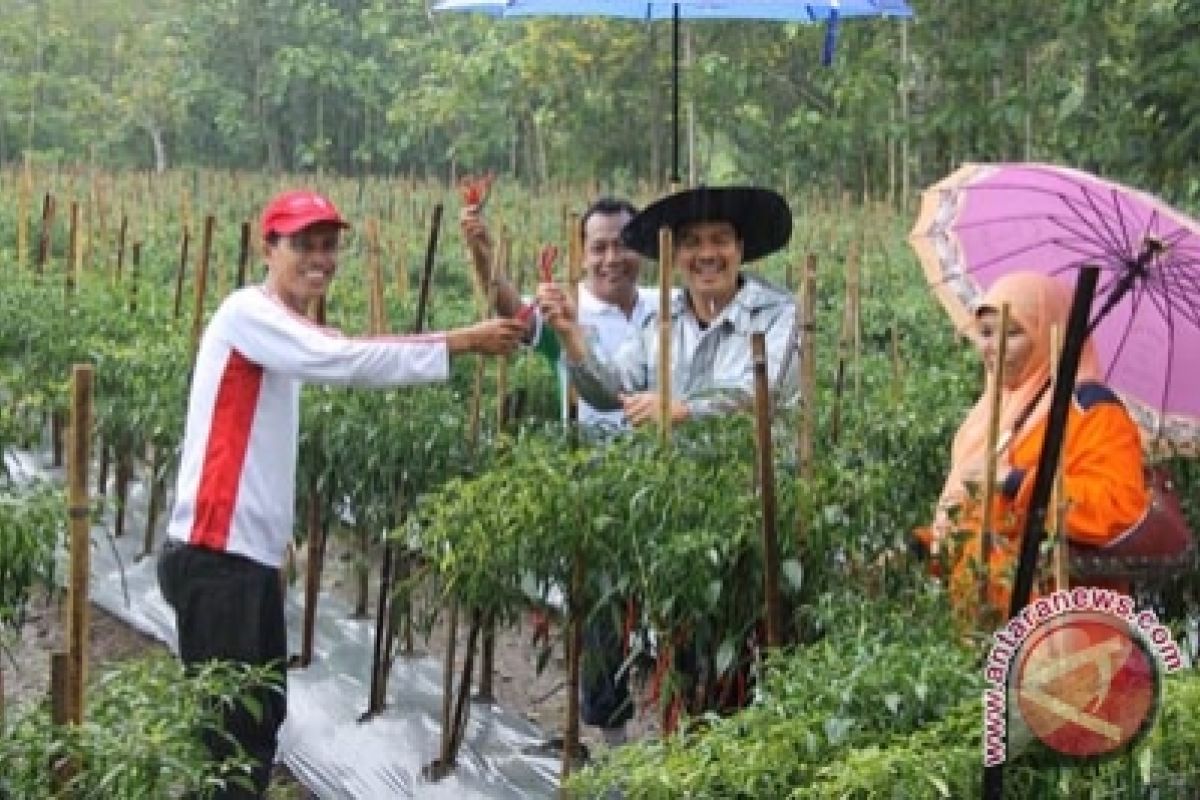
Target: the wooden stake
pixel 44 243
pixel 316 538
pixel 23 219
pixel 243 255
pixel 427 272
pixel 666 261
pixel 181 272
pixel 72 248
pixel 155 503
pixel 312 574
pixel 61 768
pixel 376 322
pixel 445 761
pixel 766 484
pixel 102 478
pixel 121 247
pixel 134 269
pixel 79 513
pixel 574 659
pixel 201 285
pixel 808 368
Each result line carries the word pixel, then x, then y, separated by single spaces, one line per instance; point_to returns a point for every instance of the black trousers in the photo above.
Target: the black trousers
pixel 604 688
pixel 230 608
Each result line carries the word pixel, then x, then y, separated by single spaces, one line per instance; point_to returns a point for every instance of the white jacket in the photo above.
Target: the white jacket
pixel 236 487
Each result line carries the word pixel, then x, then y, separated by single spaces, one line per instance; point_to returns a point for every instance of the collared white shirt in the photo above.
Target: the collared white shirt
pixel 605 325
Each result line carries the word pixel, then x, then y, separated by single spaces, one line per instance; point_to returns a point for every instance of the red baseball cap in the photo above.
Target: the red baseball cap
pixel 293 211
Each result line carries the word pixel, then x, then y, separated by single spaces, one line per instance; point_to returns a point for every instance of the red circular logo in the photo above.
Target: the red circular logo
pixel 1086 685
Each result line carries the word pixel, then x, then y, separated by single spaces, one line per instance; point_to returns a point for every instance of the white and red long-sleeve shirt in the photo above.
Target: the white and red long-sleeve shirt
pixel 236 487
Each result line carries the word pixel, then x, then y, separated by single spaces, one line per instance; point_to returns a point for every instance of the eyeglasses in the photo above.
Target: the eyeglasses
pixel 307 245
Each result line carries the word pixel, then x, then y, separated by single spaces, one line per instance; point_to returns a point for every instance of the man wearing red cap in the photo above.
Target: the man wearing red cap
pixel 235 493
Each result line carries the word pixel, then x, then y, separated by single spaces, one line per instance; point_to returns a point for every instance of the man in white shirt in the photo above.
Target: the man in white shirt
pixel 612 309
pixel 233 512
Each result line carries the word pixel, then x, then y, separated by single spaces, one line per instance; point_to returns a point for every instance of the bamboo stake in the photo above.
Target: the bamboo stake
pixel 766 484
pixel 316 537
pixel 23 197
pixel 155 503
pixel 121 247
pixel 443 765
pixel 808 368
pixel 79 513
pixel 462 705
pixel 312 575
pixel 666 261
pixel 61 768
pixel 90 207
pixel 854 304
pixel 427 274
pixel 243 255
pixel 44 243
pixel 989 463
pixel 102 478
pixel 201 285
pixel 72 248
pixel 847 338
pixel 134 269
pixel 574 659
pixel 377 325
pixel 181 272
pixel 374 286
pixel 500 266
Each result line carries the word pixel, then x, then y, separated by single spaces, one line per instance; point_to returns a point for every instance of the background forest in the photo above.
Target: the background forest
pixel 386 87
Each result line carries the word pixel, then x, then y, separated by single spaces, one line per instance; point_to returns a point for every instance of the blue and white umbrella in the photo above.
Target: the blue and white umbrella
pixel 828 11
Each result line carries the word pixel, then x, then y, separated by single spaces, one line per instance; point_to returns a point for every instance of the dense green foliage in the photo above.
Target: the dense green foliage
pixel 139 737
pixel 387 86
pixel 886 706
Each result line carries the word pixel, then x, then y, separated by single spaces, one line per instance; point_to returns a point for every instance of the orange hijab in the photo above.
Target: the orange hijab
pixel 1037 303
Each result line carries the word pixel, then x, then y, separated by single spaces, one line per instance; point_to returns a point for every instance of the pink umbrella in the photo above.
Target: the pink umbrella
pixel 987 220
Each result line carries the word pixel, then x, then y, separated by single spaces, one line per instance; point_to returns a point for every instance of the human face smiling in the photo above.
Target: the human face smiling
pixel 709 255
pixel 1018 348
pixel 611 269
pixel 302 265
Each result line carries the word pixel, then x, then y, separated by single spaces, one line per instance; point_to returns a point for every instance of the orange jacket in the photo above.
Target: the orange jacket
pixel 1103 483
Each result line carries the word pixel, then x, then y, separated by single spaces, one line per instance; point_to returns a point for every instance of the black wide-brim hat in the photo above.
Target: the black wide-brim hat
pixel 762 218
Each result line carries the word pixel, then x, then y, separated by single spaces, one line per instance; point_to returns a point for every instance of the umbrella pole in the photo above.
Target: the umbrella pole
pixel 1035 521
pixel 989 469
pixel 1056 526
pixel 675 95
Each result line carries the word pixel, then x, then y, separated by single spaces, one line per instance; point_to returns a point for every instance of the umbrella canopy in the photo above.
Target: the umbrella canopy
pixel 829 11
pixel 985 221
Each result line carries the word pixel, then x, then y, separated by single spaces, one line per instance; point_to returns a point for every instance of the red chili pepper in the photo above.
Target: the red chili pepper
pixel 475 190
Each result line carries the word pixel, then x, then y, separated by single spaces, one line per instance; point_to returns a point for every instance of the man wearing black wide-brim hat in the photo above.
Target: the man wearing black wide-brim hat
pixel 715 230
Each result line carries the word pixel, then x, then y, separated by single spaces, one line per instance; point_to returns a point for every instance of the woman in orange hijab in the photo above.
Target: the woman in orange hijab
pixel 1101 459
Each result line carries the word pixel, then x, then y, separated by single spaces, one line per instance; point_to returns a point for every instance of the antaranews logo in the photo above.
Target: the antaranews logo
pixel 1079 670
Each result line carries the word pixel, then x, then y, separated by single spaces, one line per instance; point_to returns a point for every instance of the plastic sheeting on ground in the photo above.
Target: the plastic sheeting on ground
pixel 322 742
